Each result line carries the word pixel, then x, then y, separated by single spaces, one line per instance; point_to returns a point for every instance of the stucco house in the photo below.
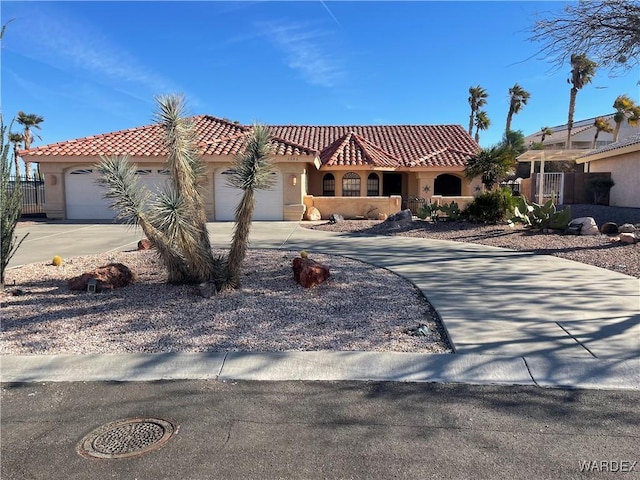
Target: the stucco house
pixel 622 160
pixel 353 170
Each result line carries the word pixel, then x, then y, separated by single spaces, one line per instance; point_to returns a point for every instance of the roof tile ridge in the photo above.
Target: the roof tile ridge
pixel 225 121
pixel 293 144
pixel 336 146
pixel 367 145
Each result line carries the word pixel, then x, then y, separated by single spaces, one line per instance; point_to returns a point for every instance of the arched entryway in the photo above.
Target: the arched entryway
pixel 447 185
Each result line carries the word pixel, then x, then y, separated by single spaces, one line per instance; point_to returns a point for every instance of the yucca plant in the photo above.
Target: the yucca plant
pixel 251 172
pixel 174 220
pixel 10 205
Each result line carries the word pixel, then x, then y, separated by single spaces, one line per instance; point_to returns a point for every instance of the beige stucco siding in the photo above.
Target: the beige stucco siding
pixel 625 172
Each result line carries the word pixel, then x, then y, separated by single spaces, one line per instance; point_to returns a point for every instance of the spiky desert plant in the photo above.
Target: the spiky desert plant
pixel 10 206
pixel 251 172
pixel 174 220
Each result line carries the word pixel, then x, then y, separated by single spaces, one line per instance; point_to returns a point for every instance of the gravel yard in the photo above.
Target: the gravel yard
pixel 269 313
pixel 595 250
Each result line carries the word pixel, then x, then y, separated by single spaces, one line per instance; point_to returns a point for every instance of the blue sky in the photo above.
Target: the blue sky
pixel 94 67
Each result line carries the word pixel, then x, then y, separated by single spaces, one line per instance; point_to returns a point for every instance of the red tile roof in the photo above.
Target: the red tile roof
pixel 383 146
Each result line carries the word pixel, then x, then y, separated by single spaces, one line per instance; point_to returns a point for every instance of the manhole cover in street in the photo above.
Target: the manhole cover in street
pixel 127 438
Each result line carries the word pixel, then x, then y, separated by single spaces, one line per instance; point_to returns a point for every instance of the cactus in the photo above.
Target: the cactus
pixel 541 216
pixel 57 261
pixel 304 254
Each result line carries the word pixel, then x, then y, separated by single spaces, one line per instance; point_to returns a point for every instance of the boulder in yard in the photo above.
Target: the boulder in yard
pixel 313 214
pixel 609 228
pixel 627 228
pixel 144 244
pixel 382 216
pixel 113 275
pixel 589 225
pixel 336 218
pixel 308 272
pixel 628 238
pixel 399 219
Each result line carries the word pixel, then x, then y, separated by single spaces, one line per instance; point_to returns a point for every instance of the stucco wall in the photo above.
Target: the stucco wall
pixel 625 172
pixel 355 207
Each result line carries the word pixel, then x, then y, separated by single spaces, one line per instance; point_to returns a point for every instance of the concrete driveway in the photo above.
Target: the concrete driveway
pixel 572 324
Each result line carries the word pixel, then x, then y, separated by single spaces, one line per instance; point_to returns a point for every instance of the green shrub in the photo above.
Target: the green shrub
pixel 599 188
pixel 491 207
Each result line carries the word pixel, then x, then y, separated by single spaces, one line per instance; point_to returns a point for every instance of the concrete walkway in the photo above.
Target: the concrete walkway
pixel 512 317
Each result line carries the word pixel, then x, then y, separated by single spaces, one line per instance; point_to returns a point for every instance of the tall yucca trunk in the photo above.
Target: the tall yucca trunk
pixel 616 131
pixel 252 169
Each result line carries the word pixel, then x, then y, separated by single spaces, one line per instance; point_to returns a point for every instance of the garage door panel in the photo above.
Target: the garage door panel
pixel 227 197
pixel 84 197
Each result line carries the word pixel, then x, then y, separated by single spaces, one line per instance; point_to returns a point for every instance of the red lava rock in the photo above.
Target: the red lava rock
pixel 113 275
pixel 144 244
pixel 308 272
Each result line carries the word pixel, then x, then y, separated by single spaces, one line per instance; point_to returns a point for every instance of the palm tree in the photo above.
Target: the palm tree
pixel 477 99
pixel 601 126
pixel 492 164
pixel 482 122
pixel 582 71
pixel 29 121
pixel 626 109
pixel 16 138
pixel 518 98
pixel 546 132
pixel 252 172
pixel 174 221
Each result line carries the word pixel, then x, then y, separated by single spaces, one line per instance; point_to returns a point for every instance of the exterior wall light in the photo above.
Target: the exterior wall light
pixel 294 180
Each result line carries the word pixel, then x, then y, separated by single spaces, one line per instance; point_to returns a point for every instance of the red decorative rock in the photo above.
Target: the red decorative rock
pixel 144 244
pixel 113 275
pixel 308 272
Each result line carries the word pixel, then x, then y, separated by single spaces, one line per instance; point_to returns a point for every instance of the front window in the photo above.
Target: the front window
pixel 351 185
pixel 328 185
pixel 373 185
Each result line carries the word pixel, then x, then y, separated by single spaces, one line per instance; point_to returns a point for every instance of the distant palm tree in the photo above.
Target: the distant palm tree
pixel 601 126
pixel 16 138
pixel 251 172
pixel 626 109
pixel 518 98
pixel 482 122
pixel 29 121
pixel 582 71
pixel 546 132
pixel 477 99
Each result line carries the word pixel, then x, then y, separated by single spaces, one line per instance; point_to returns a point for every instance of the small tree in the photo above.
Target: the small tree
pixel 601 125
pixel 10 206
pixel 492 164
pixel 174 221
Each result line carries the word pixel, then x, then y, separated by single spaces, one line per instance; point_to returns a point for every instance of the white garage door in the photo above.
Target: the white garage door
pixel 268 202
pixel 84 197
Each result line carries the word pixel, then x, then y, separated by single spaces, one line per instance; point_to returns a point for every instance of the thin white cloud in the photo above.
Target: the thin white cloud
pixel 305 52
pixel 52 38
pixel 330 13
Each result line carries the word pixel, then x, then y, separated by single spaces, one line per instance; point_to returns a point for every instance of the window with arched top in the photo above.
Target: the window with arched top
pixel 373 185
pixel 351 185
pixel 329 185
pixel 447 185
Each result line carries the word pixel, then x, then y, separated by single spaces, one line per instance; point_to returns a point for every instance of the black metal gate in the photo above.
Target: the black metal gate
pixel 32 195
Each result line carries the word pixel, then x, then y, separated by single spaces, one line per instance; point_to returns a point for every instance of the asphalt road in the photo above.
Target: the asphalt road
pixel 269 430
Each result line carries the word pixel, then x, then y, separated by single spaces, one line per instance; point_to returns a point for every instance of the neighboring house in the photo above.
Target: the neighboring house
pixel 582 135
pixel 352 170
pixel 622 159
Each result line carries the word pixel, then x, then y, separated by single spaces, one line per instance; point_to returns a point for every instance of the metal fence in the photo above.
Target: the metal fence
pixel 413 203
pixel 32 195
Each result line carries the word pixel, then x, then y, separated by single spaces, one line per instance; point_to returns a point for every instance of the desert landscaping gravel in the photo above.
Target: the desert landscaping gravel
pixel 598 250
pixel 270 312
